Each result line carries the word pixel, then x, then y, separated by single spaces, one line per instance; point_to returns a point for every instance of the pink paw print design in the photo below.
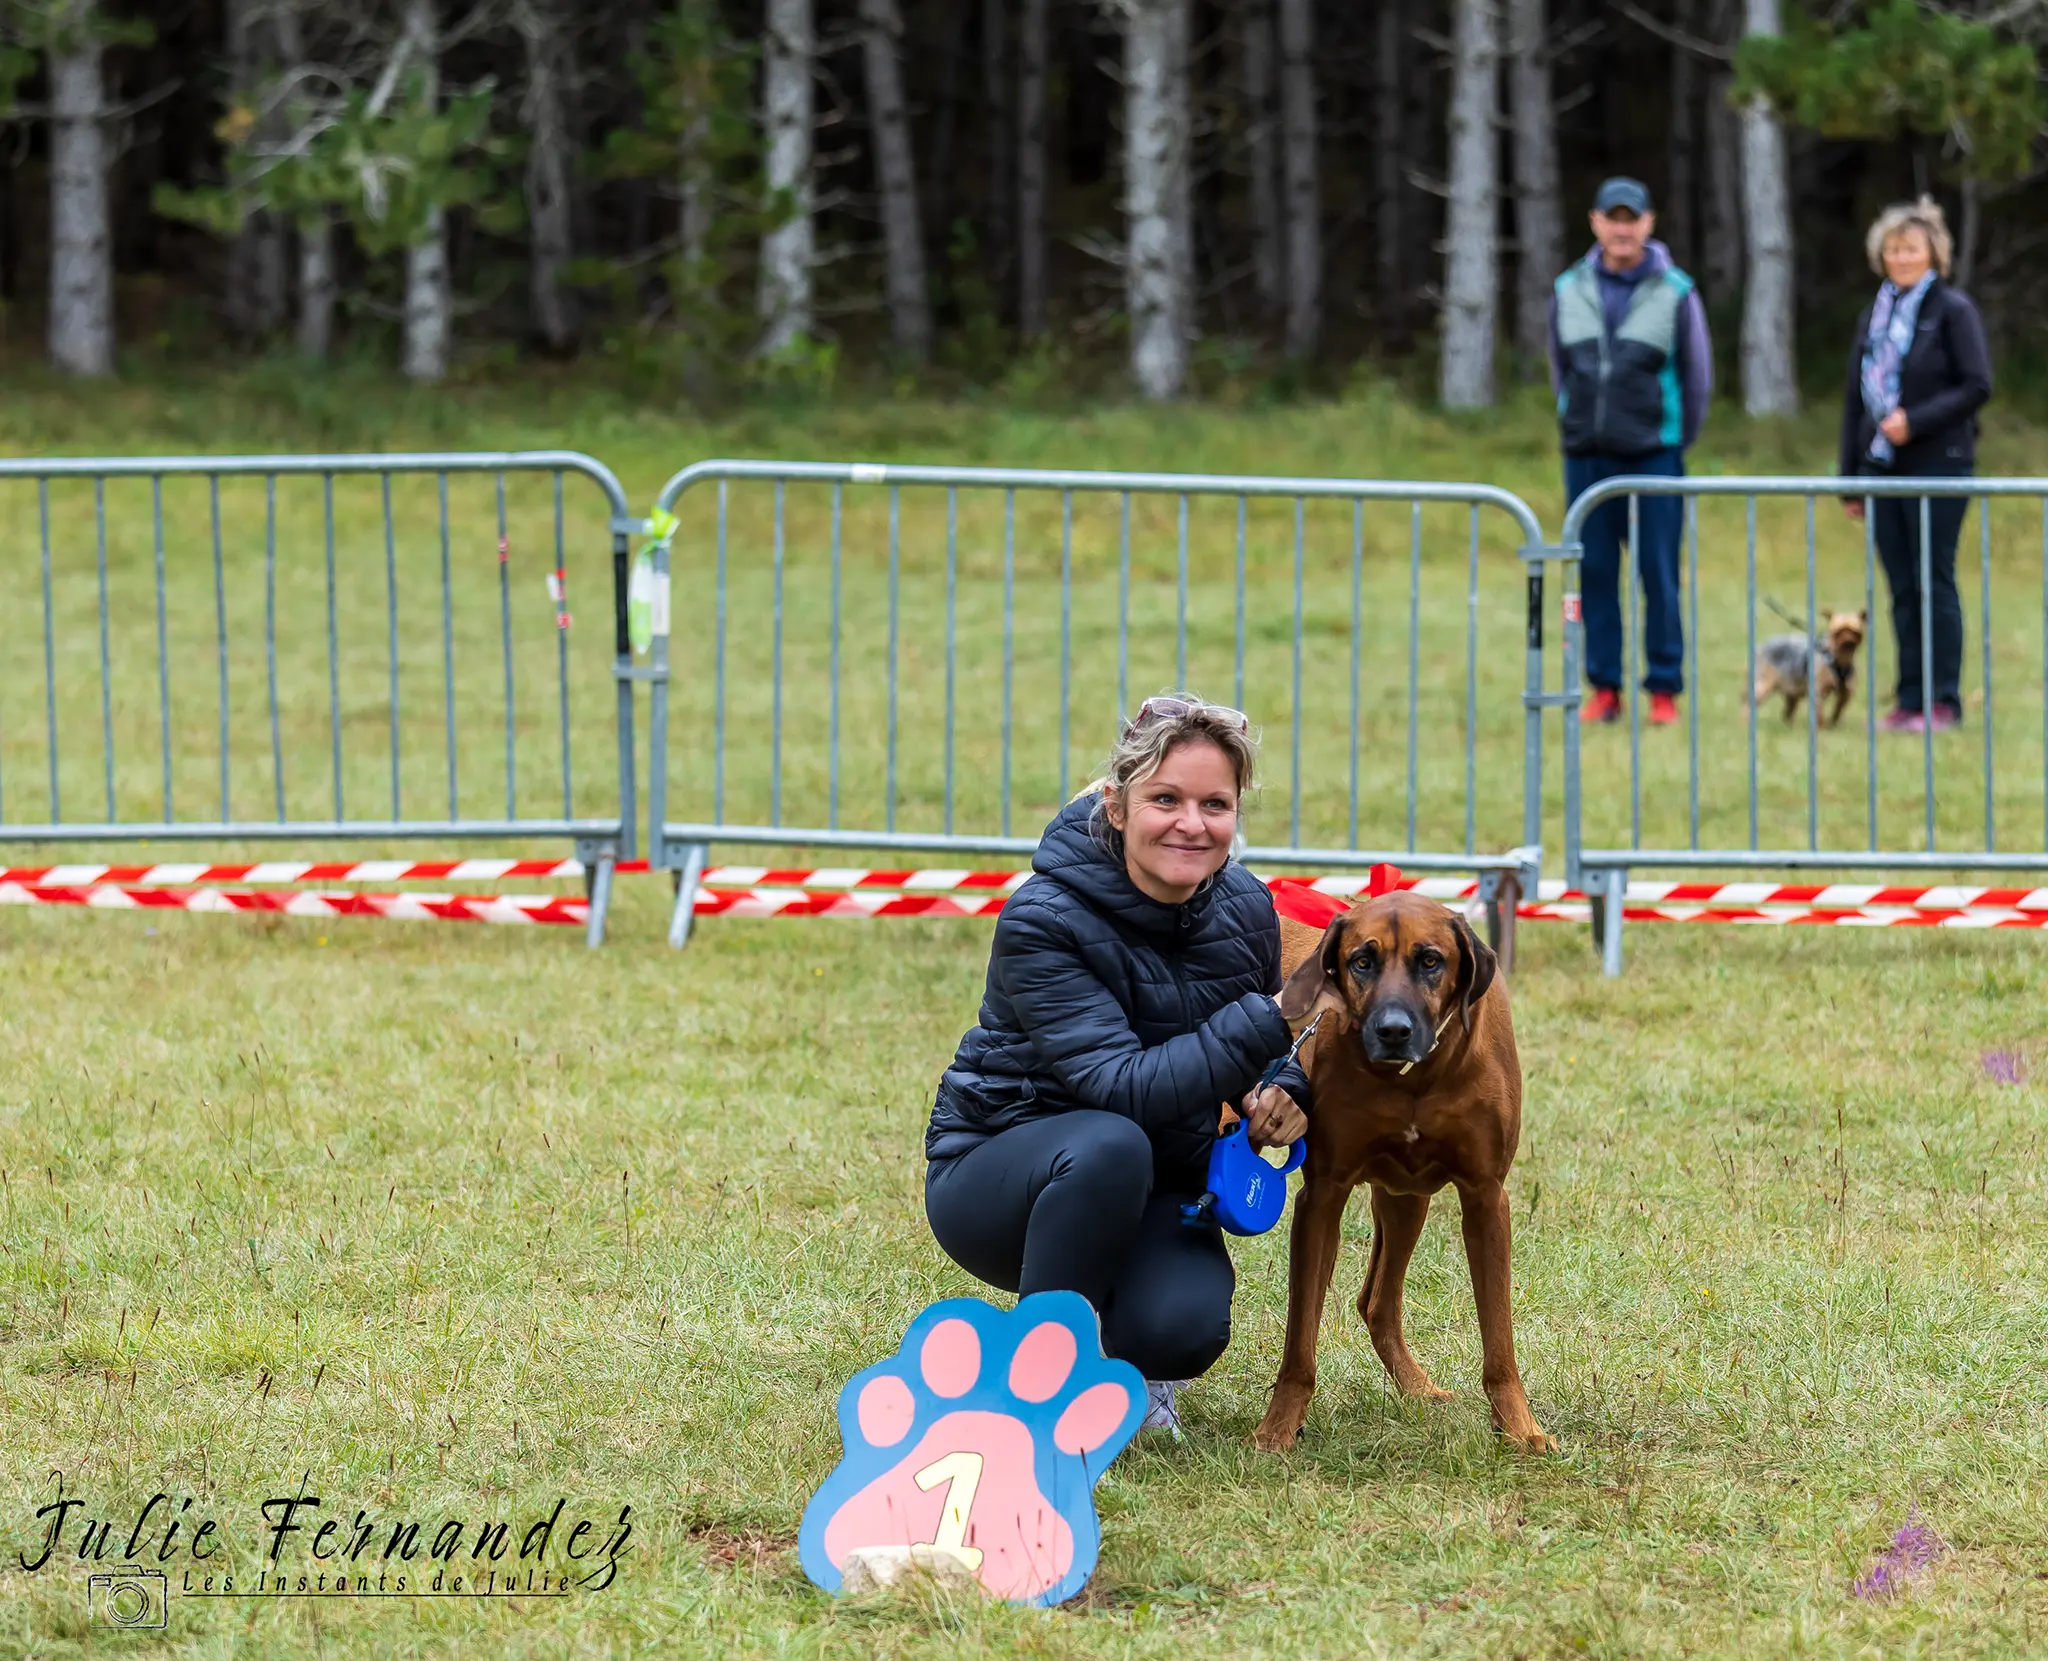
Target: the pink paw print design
pixel 983 1436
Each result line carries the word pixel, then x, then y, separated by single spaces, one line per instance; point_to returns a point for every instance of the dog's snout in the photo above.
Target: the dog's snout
pixel 1390 1033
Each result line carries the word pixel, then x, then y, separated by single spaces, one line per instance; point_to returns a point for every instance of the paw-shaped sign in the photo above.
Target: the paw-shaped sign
pixel 982 1437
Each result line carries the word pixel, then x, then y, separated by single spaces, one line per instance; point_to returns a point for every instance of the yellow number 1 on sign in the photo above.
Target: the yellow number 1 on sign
pixel 982 1440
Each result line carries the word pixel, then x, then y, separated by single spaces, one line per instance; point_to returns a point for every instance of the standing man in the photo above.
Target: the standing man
pixel 1632 368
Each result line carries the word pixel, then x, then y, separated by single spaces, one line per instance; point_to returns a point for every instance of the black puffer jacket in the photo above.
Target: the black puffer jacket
pixel 1944 380
pixel 1099 996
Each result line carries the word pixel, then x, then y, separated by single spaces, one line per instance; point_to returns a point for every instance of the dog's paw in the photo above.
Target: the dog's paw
pixel 1286 1420
pixel 1528 1435
pixel 982 1437
pixel 1277 1441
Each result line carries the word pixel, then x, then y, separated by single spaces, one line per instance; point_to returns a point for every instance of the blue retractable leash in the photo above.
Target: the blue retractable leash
pixel 1246 1195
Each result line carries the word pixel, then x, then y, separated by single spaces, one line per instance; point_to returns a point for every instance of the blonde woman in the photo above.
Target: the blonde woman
pixel 1132 989
pixel 1918 373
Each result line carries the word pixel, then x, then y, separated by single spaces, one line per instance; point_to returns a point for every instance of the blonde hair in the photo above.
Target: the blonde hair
pixel 1142 747
pixel 1924 216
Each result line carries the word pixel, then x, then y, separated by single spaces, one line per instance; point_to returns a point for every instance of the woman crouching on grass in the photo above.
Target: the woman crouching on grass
pixel 1132 989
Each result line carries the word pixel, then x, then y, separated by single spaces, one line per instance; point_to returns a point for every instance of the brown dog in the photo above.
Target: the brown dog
pixel 1782 666
pixel 1416 1085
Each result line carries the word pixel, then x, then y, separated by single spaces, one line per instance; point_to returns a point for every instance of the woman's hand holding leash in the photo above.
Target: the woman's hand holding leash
pixel 1275 1121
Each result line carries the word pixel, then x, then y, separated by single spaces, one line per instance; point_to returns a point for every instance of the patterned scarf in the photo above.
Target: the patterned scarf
pixel 1893 318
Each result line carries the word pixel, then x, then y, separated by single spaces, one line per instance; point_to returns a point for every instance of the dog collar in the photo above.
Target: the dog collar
pixel 1437 1039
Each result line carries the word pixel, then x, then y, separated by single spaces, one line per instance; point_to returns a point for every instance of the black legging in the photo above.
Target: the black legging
pixel 1895 526
pixel 1071 1202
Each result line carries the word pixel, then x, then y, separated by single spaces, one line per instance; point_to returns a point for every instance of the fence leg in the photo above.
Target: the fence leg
pixel 1607 897
pixel 1500 892
pixel 597 878
pixel 688 880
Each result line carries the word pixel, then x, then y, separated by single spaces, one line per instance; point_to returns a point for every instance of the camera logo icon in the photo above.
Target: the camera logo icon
pixel 129 1597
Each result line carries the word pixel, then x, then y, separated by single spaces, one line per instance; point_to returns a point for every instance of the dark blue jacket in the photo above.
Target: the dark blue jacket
pixel 1099 996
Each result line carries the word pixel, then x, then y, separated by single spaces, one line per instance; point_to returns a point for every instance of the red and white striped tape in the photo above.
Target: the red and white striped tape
pixel 1817 897
pixel 801 902
pixel 860 892
pixel 450 908
pixel 1576 910
pixel 826 877
pixel 369 870
pixel 1836 896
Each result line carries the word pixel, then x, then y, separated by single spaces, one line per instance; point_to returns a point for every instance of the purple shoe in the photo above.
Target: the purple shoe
pixel 1946 719
pixel 1904 720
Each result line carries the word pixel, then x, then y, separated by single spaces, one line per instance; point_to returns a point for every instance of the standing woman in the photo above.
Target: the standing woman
pixel 1132 990
pixel 1918 373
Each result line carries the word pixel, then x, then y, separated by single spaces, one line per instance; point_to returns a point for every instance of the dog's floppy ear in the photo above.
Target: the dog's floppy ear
pixel 1476 968
pixel 1314 975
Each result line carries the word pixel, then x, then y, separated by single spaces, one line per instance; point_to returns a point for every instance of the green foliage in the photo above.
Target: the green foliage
pixel 382 169
pixel 31 28
pixel 696 131
pixel 1901 67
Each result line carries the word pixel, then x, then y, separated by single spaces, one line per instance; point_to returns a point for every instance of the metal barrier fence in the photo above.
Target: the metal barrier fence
pixel 1742 806
pixel 832 672
pixel 249 632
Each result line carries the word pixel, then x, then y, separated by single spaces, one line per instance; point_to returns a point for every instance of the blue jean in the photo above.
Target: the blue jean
pixel 1660 521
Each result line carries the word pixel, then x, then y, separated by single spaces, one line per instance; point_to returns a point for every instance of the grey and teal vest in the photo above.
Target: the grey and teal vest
pixel 1620 396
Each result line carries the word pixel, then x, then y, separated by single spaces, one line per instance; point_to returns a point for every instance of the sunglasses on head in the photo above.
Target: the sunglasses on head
pixel 1175 709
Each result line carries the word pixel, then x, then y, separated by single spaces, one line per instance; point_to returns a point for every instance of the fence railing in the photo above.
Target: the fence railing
pixel 318 648
pixel 909 659
pixel 931 658
pixel 1773 785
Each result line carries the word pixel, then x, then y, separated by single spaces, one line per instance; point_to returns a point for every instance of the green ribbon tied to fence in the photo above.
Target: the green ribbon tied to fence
pixel 647 589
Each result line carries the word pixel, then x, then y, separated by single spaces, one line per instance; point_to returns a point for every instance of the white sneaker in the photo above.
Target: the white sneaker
pixel 1162 1412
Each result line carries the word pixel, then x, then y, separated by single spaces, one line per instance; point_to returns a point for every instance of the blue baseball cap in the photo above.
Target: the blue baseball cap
pixel 1622 192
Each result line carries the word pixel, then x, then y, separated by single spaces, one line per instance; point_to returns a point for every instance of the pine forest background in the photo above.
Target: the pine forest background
pixel 712 196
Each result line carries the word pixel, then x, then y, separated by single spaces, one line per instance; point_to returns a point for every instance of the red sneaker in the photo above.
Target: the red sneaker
pixel 1663 710
pixel 1604 704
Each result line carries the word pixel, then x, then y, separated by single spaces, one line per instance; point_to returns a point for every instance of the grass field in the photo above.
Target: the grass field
pixel 456 1223
pixel 463 1221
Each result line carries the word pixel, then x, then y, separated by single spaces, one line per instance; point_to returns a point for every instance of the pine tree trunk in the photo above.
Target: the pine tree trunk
pixel 788 250
pixel 1304 188
pixel 1156 193
pixel 997 76
pixel 1676 220
pixel 318 283
pixel 548 200
pixel 81 227
pixel 1972 229
pixel 1539 210
pixel 1472 261
pixel 1723 260
pixel 694 184
pixel 1033 49
pixel 1770 384
pixel 256 293
pixel 910 312
pixel 1390 181
pixel 1262 155
pixel 316 288
pixel 429 302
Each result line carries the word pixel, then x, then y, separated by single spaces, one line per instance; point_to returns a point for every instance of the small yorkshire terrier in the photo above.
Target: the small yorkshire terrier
pixel 1782 666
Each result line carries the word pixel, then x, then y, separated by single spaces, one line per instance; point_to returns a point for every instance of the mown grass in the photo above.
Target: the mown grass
pixel 462 1221
pixel 458 1222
